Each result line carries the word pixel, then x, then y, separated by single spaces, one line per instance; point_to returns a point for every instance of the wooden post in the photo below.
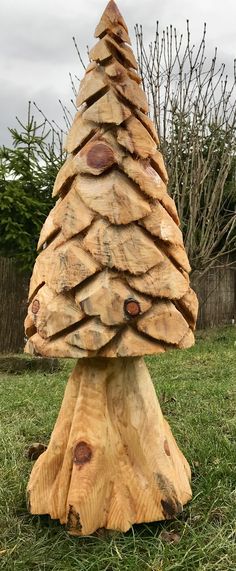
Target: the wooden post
pixel 110 285
pixel 112 460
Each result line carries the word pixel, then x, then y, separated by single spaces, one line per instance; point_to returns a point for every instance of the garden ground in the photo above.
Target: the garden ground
pixel 197 392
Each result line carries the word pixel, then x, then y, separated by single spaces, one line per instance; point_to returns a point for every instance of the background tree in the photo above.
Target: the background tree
pixel 27 174
pixel 194 107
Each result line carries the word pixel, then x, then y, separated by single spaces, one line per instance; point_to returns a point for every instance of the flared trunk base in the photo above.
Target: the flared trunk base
pixel 112 460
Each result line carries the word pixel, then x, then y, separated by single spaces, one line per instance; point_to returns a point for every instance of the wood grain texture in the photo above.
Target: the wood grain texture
pixel 65 176
pixel 159 165
pixel 127 85
pixel 113 196
pixel 135 138
pixel 113 463
pixel 123 248
pixel 131 344
pixel 79 132
pixel 163 280
pixel 110 18
pixel 91 85
pixel 163 322
pixel 178 255
pixel 189 305
pixel 148 124
pixel 49 227
pixel 101 52
pixel 109 286
pixel 145 176
pixel 122 52
pixel 91 335
pixel 56 312
pixel 161 224
pixel 187 341
pixel 108 109
pixel 36 345
pixel 71 215
pixel 62 267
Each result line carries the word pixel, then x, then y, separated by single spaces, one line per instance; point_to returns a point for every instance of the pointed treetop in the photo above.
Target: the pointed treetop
pixel 112 21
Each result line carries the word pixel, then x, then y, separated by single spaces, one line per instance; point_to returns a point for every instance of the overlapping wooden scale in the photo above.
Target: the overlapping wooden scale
pixel 55 312
pixel 114 196
pixel 131 343
pixel 157 162
pixel 145 176
pixel 179 256
pixel 126 84
pixel 62 267
pixel 164 322
pixel 161 224
pixel 187 341
pixel 70 216
pixel 95 157
pixel 111 18
pixel 163 280
pixel 107 48
pixel 107 109
pixel 91 335
pixel 135 138
pixel 121 247
pixel 49 228
pixel 188 304
pixel 106 295
pixel 121 52
pixel 148 124
pixel 59 347
pixel 80 131
pixel 92 84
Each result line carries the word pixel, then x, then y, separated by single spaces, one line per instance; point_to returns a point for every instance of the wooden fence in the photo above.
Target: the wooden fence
pixel 13 303
pixel 216 292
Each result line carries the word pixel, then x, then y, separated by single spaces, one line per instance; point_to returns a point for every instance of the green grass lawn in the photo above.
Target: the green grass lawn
pixel 197 390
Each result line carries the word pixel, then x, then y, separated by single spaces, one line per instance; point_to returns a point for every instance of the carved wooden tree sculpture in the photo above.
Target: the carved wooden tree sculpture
pixel 109 286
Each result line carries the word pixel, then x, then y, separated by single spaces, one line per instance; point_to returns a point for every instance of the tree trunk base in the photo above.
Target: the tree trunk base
pixel 112 460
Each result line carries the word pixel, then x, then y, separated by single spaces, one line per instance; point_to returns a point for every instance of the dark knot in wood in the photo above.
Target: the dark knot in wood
pixel 132 307
pixel 82 453
pixel 100 156
pixel 35 306
pixel 166 448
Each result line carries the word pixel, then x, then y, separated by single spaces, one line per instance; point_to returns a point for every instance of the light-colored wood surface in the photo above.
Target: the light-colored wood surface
pixel 111 18
pixel 189 305
pixel 131 344
pixel 109 286
pixel 114 196
pixel 80 131
pixel 148 124
pixel 135 138
pixel 163 280
pixel 91 85
pixel 161 224
pixel 163 322
pixel 56 312
pixel 112 460
pixel 123 248
pixel 112 245
pixel 126 84
pixel 108 109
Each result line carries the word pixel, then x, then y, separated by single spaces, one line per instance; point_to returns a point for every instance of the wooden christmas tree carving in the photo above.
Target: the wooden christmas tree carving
pixel 110 284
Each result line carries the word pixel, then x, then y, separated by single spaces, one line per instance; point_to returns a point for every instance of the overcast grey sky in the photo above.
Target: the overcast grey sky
pixel 37 52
